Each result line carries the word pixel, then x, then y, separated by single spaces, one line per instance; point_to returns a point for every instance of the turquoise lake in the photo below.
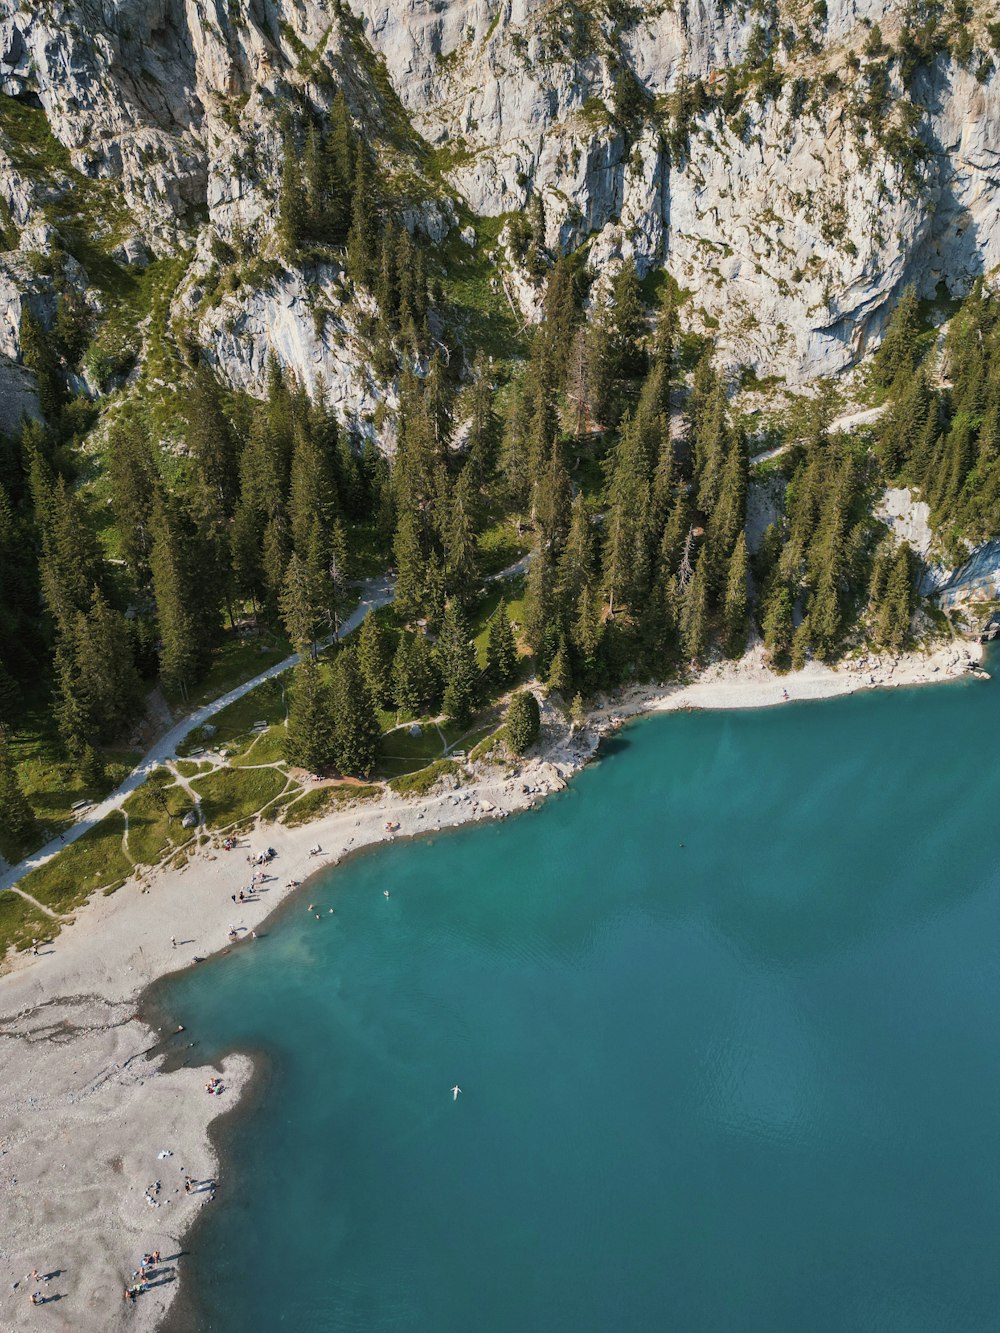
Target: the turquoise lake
pixel 726 1017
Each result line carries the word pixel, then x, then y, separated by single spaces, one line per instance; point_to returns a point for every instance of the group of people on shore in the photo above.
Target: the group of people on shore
pixel 140 1280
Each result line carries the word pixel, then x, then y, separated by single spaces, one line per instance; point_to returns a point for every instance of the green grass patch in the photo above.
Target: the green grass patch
pixel 499 547
pixel 512 590
pixel 20 923
pixel 232 794
pixel 421 782
pixel 233 723
pixel 31 143
pixel 51 784
pixel 94 861
pixel 190 768
pixel 399 744
pixel 268 748
pixel 237 660
pixel 154 814
pixel 321 800
pixel 489 743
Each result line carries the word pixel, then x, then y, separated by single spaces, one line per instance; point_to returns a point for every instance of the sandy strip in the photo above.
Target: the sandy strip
pixel 85 1111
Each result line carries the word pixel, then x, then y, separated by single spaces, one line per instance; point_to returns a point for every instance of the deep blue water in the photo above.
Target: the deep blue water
pixel 750 1082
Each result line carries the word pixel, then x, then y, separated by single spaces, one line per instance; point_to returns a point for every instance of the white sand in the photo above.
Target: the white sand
pixel 84 1113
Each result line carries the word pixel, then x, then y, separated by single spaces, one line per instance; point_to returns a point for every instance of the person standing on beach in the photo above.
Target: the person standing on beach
pixel 173 941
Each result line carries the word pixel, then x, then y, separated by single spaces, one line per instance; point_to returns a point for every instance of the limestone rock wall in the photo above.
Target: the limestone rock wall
pixel 793 236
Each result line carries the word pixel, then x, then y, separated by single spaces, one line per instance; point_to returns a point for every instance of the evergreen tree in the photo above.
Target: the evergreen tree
pixel 134 482
pixel 309 737
pixel 586 632
pixel 801 644
pixel 38 355
pixel 625 561
pixel 501 650
pixel 777 624
pixel 414 675
pixel 897 356
pixel 274 561
pixel 340 151
pixel 339 576
pixel 356 734
pixel 212 440
pixel 408 551
pixel 362 243
pixel 17 819
pixel 459 670
pixel 523 722
pixel 292 211
pixel 184 617
pixel 577 713
pixel 375 661
pixel 735 606
pixel 300 611
pixel 694 611
pixel 892 625
pixel 560 676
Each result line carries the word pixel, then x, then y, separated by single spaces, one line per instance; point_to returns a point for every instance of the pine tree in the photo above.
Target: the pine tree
pixel 459 547
pixel 587 631
pixel 501 650
pixel 309 736
pixel 408 551
pixel 577 713
pixel 801 644
pixel 735 606
pixel 340 151
pixel 134 482
pixel 898 353
pixel 626 562
pixel 274 561
pixel 375 661
pixel 777 625
pixel 825 615
pixel 339 576
pixel 105 674
pixel 17 819
pixel 71 564
pixel 694 611
pixel 456 658
pixel 212 440
pixel 299 607
pixel 560 676
pixel 523 722
pixel 176 575
pixel 357 733
pixel 362 246
pixel 292 212
pixel 414 675
pixel 892 624
pixel 38 355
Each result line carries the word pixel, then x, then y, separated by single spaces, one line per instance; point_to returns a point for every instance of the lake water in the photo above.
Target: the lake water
pixel 726 1017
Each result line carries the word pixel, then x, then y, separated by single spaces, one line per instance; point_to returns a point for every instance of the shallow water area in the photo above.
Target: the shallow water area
pixel 724 1016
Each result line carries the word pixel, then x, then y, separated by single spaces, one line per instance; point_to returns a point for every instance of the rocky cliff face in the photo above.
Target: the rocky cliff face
pixel 781 162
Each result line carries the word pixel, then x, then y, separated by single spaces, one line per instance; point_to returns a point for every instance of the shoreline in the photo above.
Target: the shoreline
pixel 82 1129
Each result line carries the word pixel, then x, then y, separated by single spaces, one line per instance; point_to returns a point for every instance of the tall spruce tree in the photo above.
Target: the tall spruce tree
pixel 309 735
pixel 375 661
pixel 501 650
pixel 356 734
pixel 456 658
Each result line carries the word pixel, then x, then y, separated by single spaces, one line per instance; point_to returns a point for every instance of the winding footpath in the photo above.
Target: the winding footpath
pixel 377 592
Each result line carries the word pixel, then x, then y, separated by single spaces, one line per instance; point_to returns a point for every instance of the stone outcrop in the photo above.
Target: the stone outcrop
pixel 792 228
